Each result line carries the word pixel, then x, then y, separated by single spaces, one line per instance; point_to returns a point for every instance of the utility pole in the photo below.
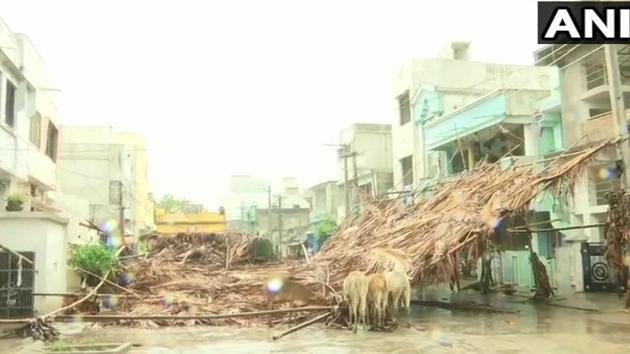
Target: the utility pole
pixel 619 113
pixel 280 220
pixel 356 180
pixel 346 187
pixel 618 109
pixel 269 228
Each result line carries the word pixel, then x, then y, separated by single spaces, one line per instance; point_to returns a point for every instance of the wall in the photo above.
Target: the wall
pixel 324 201
pixel 44 235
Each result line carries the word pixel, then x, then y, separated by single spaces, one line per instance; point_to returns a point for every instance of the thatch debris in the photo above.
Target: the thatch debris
pixel 460 218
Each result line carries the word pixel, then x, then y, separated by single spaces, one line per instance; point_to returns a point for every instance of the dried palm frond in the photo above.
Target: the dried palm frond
pixel 388 259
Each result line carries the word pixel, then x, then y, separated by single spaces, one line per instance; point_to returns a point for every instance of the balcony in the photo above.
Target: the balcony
pixel 601 127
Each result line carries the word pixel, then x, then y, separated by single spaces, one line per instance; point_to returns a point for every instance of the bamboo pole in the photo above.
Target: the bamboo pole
pixel 110 282
pixel 83 299
pixel 16 254
pixel 302 325
pixel 558 228
pixel 98 318
pixel 308 261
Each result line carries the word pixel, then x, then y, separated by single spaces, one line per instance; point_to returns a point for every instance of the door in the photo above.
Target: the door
pixel 597 275
pixel 16 285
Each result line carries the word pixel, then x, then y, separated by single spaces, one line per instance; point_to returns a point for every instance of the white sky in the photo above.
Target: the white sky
pixel 250 87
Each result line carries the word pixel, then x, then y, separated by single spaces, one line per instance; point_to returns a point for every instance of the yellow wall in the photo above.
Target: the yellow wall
pixel 180 222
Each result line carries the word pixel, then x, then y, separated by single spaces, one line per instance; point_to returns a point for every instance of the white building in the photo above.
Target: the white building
pixel 323 199
pixel 435 89
pixel 110 170
pixel 367 164
pixel 28 154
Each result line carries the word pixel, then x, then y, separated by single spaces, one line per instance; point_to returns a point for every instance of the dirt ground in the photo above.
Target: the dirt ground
pixel 542 329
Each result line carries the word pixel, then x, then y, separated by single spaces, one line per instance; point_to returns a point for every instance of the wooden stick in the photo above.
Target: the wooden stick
pixel 110 282
pixel 558 228
pixel 302 325
pixel 308 261
pixel 95 318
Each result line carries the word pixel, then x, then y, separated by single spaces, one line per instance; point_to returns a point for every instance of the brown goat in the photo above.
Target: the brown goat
pixel 355 289
pixel 284 290
pixel 377 298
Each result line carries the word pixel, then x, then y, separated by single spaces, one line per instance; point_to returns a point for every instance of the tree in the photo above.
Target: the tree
pixel 325 228
pixel 170 203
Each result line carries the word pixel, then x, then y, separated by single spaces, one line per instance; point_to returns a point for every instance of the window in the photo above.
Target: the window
pixel 51 141
pixel 403 107
pixel 36 126
pixel 407 170
pixel 9 112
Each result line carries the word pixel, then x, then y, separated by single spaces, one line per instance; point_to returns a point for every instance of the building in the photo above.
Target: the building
pixel 450 112
pixel 193 218
pixel 110 170
pixel 249 194
pixel 579 114
pixel 365 161
pixel 323 201
pixel 29 141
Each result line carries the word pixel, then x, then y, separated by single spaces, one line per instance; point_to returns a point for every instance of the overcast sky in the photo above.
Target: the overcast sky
pixel 249 87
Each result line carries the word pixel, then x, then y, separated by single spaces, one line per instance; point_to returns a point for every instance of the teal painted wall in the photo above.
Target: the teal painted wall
pixel 486 114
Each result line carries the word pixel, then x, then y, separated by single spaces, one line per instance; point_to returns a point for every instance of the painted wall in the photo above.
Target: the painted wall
pixel 324 200
pixel 184 222
pixel 44 235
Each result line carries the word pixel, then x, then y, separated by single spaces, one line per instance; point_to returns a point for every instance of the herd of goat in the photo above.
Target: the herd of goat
pixel 370 298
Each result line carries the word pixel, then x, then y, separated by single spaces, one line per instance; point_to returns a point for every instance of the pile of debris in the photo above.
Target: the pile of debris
pixel 461 217
pixel 186 275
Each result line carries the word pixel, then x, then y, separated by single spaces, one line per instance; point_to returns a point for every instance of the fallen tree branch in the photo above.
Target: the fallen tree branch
pixel 302 325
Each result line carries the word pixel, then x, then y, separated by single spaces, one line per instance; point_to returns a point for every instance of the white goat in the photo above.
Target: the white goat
pixel 355 289
pixel 399 291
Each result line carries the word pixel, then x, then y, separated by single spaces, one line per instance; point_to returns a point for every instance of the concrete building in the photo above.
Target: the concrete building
pixel 368 163
pixel 28 154
pixel 247 194
pixel 578 115
pixel 110 170
pixel 441 102
pixel 323 200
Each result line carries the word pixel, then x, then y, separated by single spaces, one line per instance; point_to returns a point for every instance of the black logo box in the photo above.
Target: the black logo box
pixel 547 10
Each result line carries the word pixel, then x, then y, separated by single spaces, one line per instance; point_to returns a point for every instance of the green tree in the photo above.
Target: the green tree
pixel 170 203
pixel 325 228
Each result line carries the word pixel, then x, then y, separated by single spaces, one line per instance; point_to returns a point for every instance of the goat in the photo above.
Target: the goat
pixel 377 297
pixel 355 289
pixel 399 291
pixel 284 290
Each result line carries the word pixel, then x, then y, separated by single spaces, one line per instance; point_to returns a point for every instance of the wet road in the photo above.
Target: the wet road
pixel 533 329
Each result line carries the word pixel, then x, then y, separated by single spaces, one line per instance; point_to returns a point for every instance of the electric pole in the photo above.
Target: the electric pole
pixel 346 186
pixel 280 220
pixel 618 108
pixel 355 199
pixel 269 228
pixel 619 113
